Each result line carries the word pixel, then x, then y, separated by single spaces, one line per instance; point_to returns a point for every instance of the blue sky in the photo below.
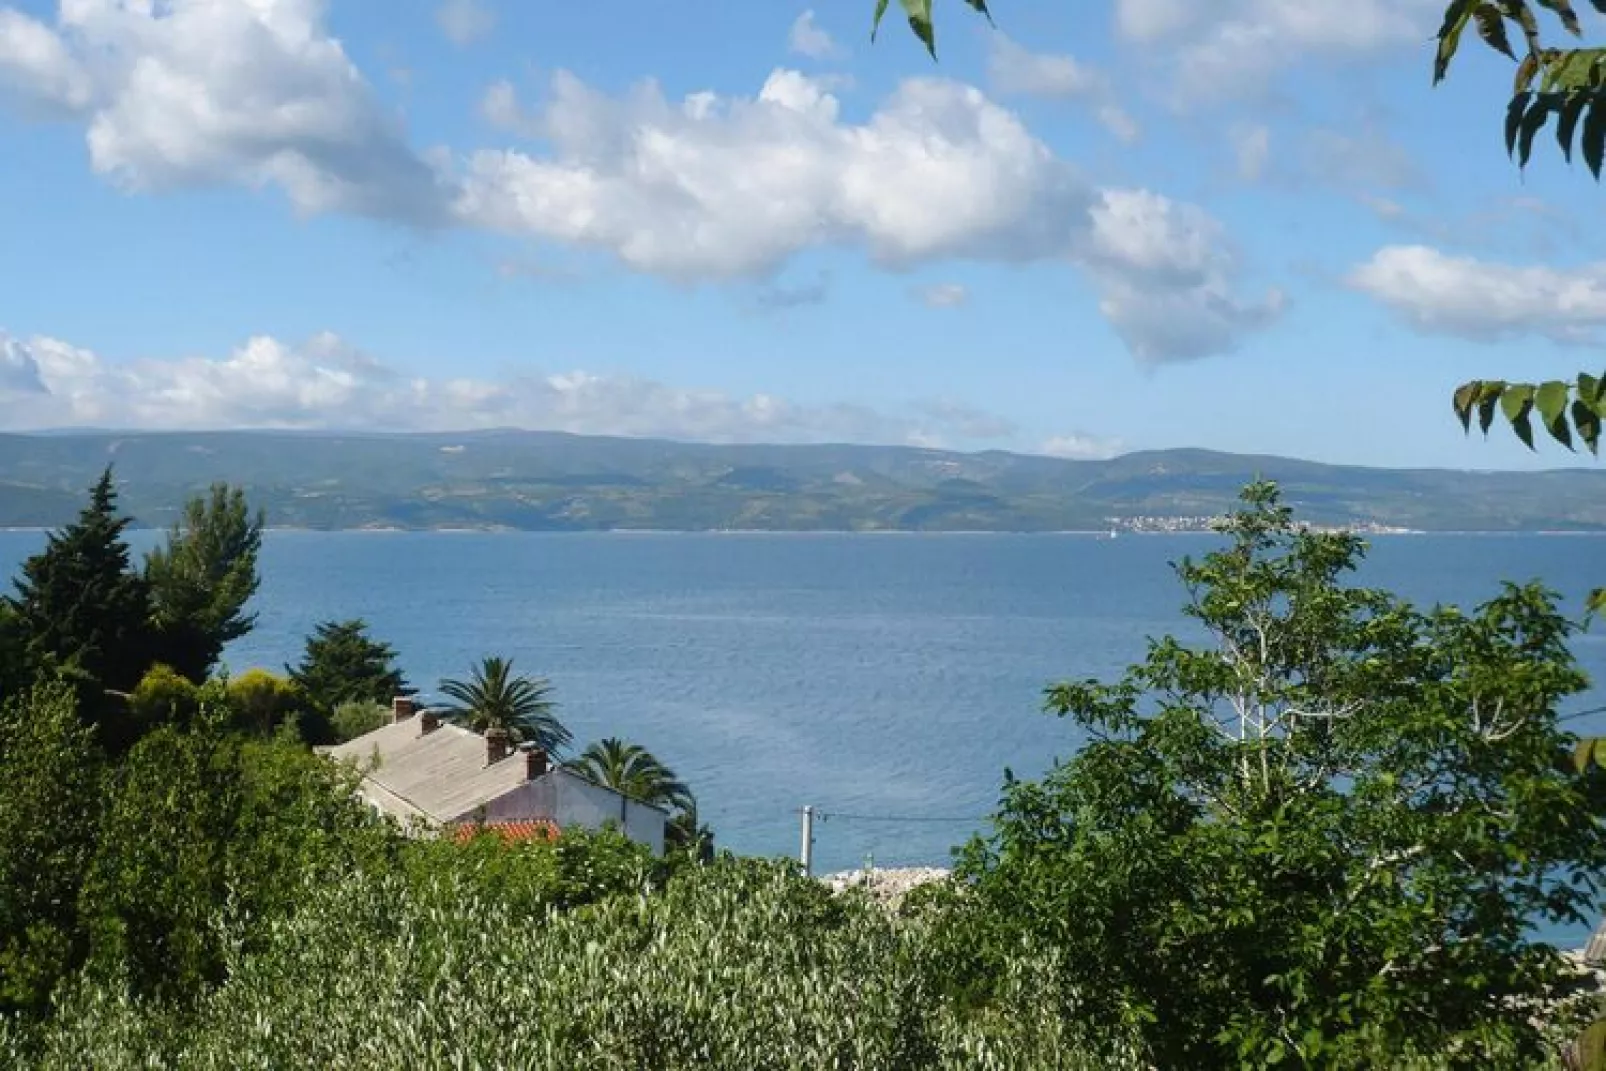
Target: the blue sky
pixel 1248 225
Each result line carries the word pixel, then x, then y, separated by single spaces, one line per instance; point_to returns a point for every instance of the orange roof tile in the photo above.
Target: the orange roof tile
pixel 510 832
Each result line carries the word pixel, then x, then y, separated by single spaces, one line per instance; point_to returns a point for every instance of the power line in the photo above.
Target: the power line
pixel 846 817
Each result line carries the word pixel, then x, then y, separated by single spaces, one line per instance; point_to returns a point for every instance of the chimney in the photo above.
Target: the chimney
pixel 536 763
pixel 497 746
pixel 401 708
pixel 428 722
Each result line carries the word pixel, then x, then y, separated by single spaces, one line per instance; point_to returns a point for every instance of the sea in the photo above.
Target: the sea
pixel 886 680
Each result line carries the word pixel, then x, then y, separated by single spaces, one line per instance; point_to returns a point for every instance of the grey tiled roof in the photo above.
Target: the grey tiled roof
pixel 440 776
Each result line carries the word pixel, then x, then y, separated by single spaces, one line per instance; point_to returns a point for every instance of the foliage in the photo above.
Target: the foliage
pixel 355 718
pixel 528 877
pixel 201 579
pixel 1570 412
pixel 164 696
pixel 14 675
pixel 1571 81
pixel 636 772
pixel 49 787
pixel 741 965
pixel 1321 839
pixel 920 21
pixel 632 770
pixel 260 701
pixel 158 874
pixel 81 610
pixel 342 664
pixel 495 698
pixel 201 823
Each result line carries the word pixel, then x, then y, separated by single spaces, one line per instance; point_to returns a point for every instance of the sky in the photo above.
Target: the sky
pixel 1093 228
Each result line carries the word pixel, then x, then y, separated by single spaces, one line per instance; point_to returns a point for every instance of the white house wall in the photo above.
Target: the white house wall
pixel 573 802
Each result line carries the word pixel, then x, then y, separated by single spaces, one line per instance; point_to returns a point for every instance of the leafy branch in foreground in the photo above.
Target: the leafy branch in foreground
pixel 1571 81
pixel 919 13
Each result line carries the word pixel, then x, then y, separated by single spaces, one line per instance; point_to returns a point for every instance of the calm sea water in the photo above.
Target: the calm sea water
pixel 886 679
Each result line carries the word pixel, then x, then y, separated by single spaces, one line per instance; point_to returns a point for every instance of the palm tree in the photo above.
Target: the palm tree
pixel 633 771
pixel 496 699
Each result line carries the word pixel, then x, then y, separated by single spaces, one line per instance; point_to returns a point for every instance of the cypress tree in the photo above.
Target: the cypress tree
pixel 81 611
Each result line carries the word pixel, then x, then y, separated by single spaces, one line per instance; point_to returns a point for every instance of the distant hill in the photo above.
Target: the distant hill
pixel 553 481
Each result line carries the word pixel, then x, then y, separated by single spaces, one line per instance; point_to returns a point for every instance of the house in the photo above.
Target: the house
pixel 430 773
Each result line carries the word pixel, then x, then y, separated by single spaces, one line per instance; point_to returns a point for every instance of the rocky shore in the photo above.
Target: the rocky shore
pixel 887 886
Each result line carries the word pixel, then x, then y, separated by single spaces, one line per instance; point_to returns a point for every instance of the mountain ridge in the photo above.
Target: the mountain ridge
pixel 562 481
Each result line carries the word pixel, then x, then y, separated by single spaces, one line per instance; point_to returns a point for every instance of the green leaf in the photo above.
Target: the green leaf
pixel 919 12
pixel 1593 139
pixel 1596 602
pixel 1551 400
pixel 1466 396
pixel 1492 28
pixel 1587 421
pixel 980 6
pixel 1487 400
pixel 1589 388
pixel 880 13
pixel 1514 112
pixel 1526 72
pixel 1569 18
pixel 1574 69
pixel 1532 123
pixel 1567 122
pixel 1583 754
pixel 1456 17
pixel 1517 404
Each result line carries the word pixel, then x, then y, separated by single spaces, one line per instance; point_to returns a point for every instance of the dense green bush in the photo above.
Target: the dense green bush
pixel 356 717
pixel 50 775
pixel 739 965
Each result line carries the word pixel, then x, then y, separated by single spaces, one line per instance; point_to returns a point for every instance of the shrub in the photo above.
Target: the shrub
pixel 356 717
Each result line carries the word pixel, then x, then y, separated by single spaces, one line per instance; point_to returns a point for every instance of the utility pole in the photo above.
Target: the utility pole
pixel 808 841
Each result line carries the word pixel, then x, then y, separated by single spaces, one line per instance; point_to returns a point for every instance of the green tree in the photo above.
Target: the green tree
pixel 159 874
pixel 342 664
pixel 202 578
pixel 14 675
pixel 261 702
pixel 636 772
pixel 81 610
pixel 496 698
pixel 50 774
pixel 632 770
pixel 1322 838
pixel 164 696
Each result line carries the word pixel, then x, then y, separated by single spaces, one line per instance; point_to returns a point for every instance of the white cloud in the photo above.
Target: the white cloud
pixel 1166 275
pixel 37 68
pixel 716 188
pixel 327 383
pixel 704 189
pixel 943 295
pixel 1251 146
pixel 1078 446
pixel 1486 301
pixel 1232 47
pixel 1013 70
pixel 465 21
pixel 807 38
pixel 202 93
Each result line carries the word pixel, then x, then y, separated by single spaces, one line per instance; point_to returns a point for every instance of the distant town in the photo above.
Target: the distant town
pixel 1210 524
